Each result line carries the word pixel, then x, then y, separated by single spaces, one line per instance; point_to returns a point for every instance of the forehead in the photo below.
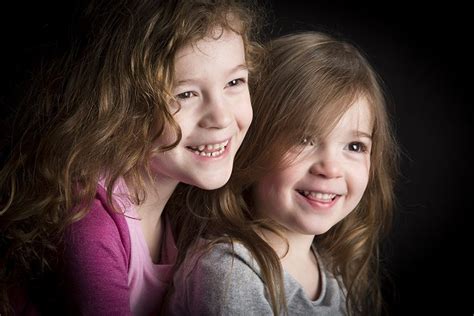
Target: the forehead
pixel 220 46
pixel 358 117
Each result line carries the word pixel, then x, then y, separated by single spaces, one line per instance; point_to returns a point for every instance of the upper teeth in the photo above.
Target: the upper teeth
pixel 319 195
pixel 210 146
pixel 210 149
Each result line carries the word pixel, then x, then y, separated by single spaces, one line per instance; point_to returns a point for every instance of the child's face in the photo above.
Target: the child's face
pixel 325 182
pixel 211 86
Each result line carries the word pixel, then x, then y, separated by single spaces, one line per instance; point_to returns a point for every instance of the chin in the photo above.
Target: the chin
pixel 317 230
pixel 214 184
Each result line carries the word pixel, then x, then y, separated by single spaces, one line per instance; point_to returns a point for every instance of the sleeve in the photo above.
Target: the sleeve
pixel 96 264
pixel 220 283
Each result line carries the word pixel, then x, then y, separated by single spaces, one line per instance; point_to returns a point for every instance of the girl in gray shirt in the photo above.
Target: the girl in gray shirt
pixel 296 230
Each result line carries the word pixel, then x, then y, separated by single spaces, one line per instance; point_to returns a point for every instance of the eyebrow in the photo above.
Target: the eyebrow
pixel 232 70
pixel 362 134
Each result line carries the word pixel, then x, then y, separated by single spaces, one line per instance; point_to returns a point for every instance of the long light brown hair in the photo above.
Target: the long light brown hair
pixel 97 113
pixel 309 81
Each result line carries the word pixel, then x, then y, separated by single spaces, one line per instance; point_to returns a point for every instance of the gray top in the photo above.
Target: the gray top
pixel 226 282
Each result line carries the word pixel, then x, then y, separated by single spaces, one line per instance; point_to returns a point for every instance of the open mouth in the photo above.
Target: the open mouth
pixel 318 196
pixel 209 150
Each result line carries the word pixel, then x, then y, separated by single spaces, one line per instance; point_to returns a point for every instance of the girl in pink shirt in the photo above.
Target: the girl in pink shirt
pixel 158 96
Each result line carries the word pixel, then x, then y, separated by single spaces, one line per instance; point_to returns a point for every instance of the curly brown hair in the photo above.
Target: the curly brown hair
pixel 96 113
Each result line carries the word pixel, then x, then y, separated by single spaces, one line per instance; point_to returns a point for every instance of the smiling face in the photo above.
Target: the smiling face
pixel 211 86
pixel 325 181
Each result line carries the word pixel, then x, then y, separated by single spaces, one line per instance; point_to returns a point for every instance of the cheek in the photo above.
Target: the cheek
pixel 161 162
pixel 279 184
pixel 267 189
pixel 243 112
pixel 360 180
pixel 366 174
pixel 166 138
pixel 169 134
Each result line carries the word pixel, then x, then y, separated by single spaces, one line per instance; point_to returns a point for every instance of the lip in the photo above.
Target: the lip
pixel 315 204
pixel 210 142
pixel 221 156
pixel 322 189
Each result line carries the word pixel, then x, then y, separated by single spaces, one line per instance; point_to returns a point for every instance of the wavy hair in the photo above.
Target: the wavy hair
pixel 309 81
pixel 97 113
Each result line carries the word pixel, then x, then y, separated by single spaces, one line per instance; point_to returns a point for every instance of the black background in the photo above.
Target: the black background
pixel 421 51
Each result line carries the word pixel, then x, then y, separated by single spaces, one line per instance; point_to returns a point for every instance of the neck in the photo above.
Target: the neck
pixel 298 246
pixel 157 193
pixel 297 259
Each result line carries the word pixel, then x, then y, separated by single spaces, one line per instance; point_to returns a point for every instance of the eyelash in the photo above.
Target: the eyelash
pixel 189 94
pixel 308 141
pixel 185 95
pixel 238 81
pixel 362 147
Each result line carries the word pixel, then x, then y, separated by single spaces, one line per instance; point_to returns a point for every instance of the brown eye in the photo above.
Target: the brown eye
pixel 357 147
pixel 184 95
pixel 236 82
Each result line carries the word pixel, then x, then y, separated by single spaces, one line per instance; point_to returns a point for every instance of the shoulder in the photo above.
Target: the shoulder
pixel 224 260
pixel 102 228
pixel 215 263
pixel 227 253
pixel 101 216
pixel 96 260
pixel 223 279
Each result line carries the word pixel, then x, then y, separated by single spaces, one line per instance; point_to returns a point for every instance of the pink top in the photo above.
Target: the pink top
pixel 108 265
pixel 148 281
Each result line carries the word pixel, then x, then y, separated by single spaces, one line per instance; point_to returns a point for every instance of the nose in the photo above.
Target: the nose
pixel 217 113
pixel 326 165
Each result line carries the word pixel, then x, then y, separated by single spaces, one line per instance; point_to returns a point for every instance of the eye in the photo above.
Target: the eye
pixel 307 141
pixel 357 147
pixel 185 95
pixel 236 82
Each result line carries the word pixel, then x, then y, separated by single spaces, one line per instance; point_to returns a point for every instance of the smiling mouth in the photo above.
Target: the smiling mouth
pixel 209 150
pixel 318 196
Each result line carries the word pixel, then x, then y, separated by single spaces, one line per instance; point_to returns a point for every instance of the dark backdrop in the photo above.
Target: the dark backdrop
pixel 421 51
